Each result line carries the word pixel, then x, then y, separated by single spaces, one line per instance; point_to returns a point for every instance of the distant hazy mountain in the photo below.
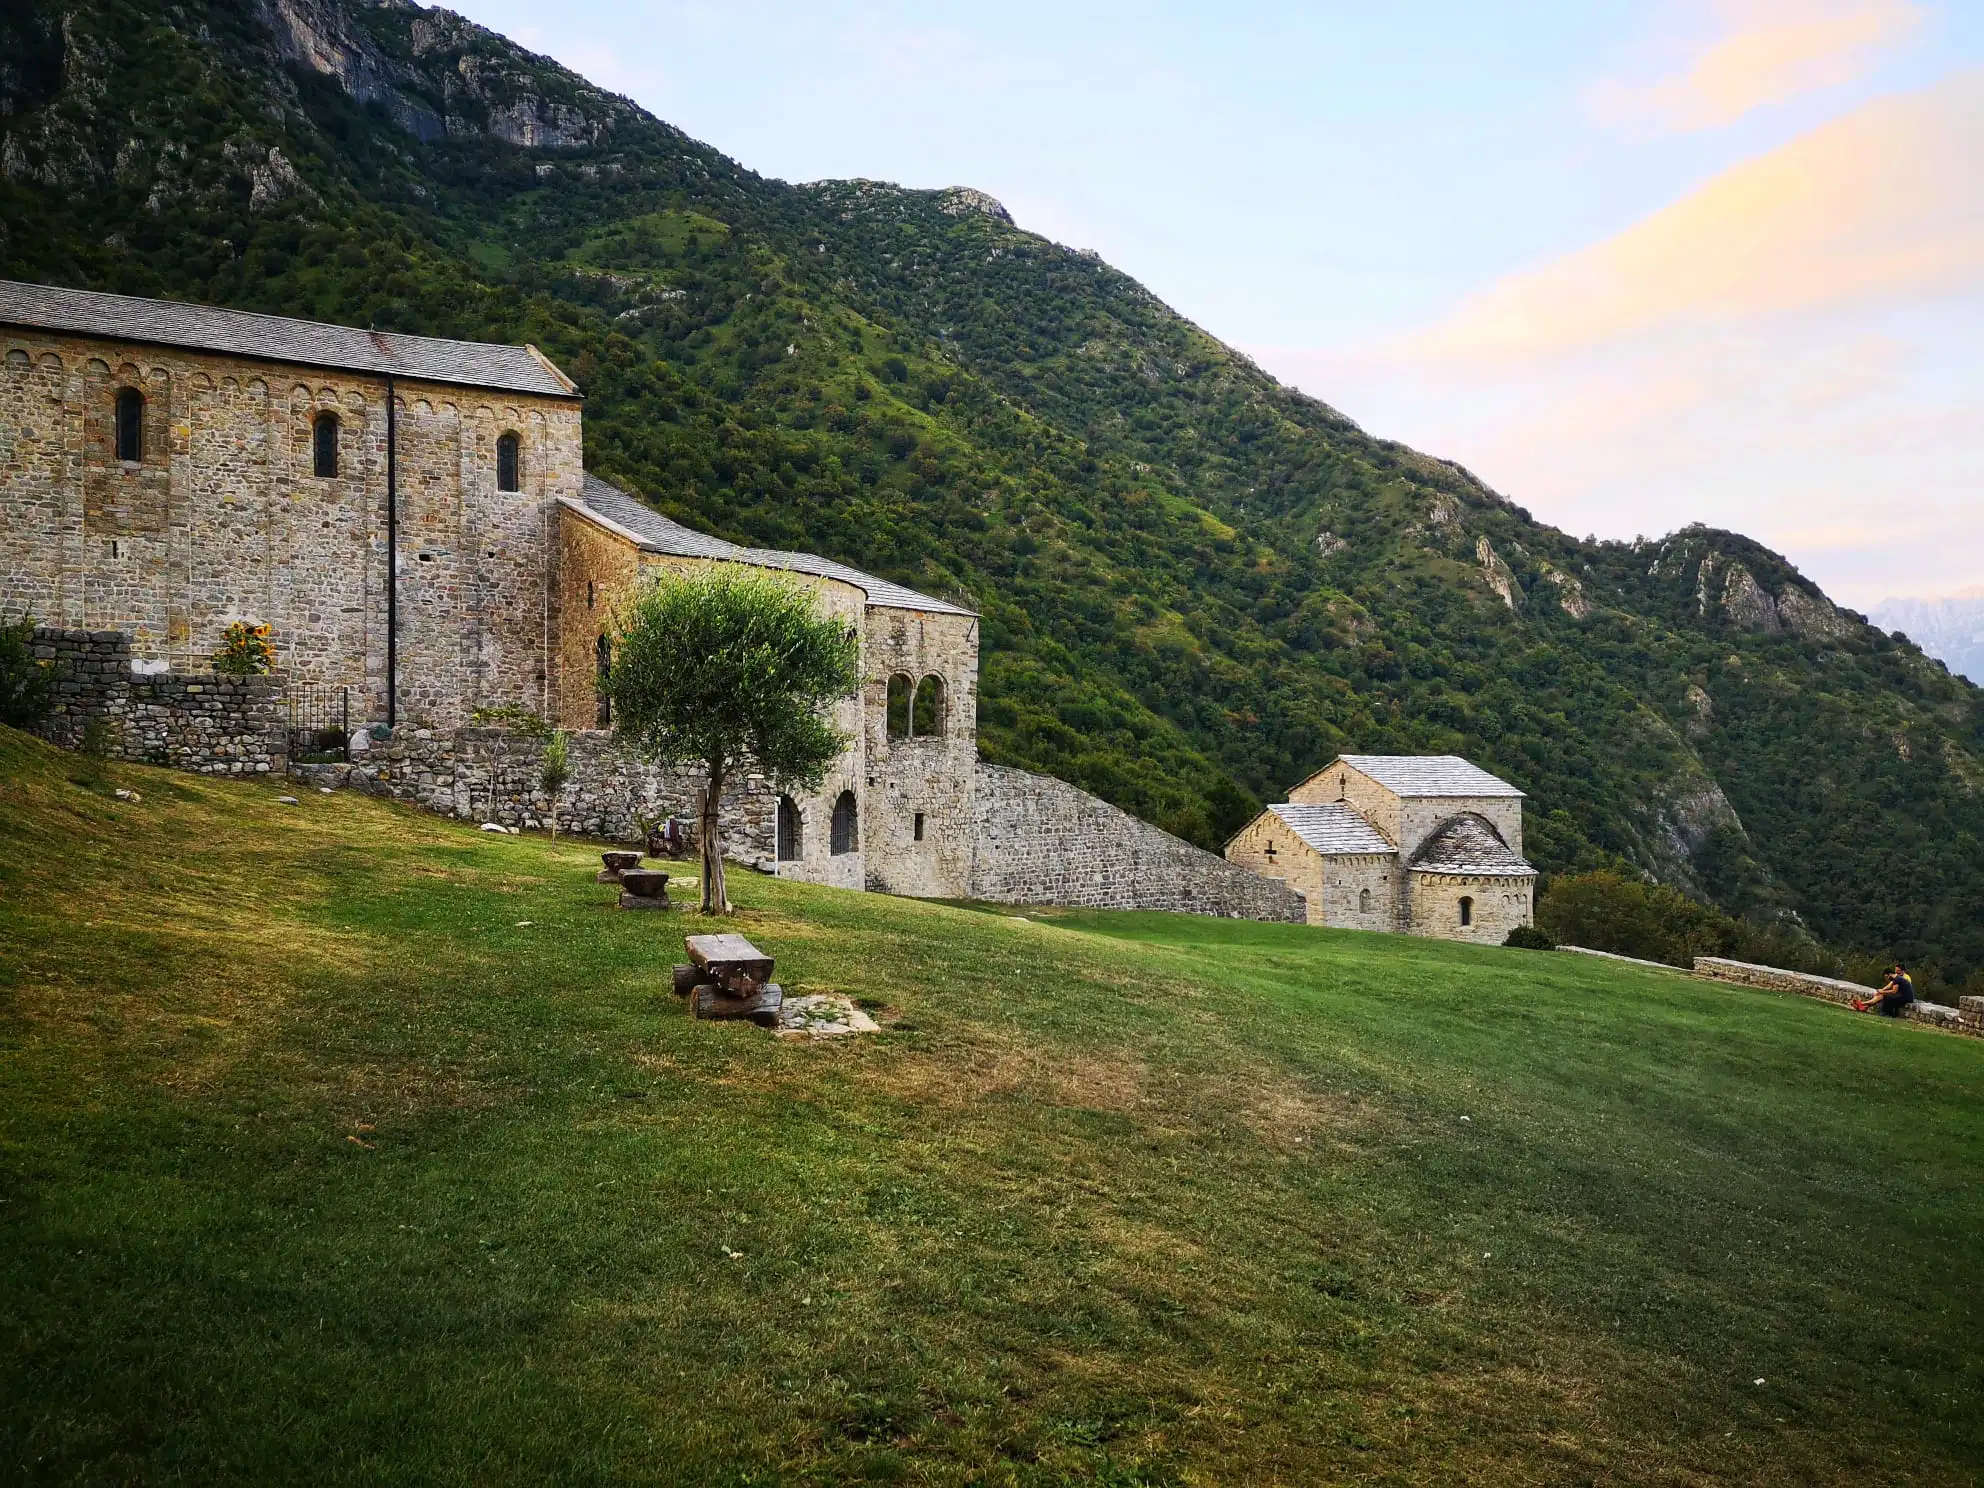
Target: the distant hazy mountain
pixel 1951 630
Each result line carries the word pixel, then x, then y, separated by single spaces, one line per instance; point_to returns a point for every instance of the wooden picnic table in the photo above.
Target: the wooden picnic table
pixel 728 977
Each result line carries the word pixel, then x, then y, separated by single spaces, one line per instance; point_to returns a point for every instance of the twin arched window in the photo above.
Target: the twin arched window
pixel 130 425
pixel 324 446
pixel 508 463
pixel 846 825
pixel 916 709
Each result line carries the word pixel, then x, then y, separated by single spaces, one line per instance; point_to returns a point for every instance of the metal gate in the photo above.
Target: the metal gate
pixel 319 722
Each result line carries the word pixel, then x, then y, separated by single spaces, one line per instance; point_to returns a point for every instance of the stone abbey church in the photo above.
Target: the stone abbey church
pixel 412 519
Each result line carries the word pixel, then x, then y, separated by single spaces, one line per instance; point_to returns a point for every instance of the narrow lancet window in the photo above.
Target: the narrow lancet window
pixel 507 463
pixel 130 425
pixel 324 446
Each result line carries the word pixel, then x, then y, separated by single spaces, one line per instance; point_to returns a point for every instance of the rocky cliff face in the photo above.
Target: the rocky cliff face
pixel 462 80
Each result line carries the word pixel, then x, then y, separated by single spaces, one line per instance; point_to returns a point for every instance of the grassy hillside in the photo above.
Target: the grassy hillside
pixel 1197 584
pixel 340 1142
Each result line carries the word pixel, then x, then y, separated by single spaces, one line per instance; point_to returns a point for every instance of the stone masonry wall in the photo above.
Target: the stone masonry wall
pixel 1499 904
pixel 1968 1017
pixel 494 775
pixel 200 722
pixel 1334 887
pixel 919 834
pixel 223 518
pixel 1042 841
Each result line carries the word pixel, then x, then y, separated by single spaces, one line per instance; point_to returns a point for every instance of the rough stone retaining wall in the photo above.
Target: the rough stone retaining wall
pixel 1967 1018
pixel 208 724
pixel 495 775
pixel 1038 840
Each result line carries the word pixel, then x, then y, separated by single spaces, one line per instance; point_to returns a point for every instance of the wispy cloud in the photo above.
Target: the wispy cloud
pixel 1886 201
pixel 1765 52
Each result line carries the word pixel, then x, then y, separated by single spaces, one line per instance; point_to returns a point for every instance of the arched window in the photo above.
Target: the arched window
pixel 847 824
pixel 900 688
pixel 1466 910
pixel 324 446
pixel 927 719
pixel 790 847
pixel 1363 901
pixel 602 660
pixel 507 461
pixel 130 424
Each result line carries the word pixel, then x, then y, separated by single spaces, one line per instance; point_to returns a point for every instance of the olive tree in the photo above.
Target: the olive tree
pixel 727 668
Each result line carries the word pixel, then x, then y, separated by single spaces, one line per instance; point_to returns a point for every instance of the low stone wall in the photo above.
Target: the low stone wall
pixel 207 724
pixel 1037 840
pixel 496 775
pixel 1969 1018
pixel 1625 960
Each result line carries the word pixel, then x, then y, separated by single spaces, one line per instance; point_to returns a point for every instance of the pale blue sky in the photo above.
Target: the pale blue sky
pixel 1448 222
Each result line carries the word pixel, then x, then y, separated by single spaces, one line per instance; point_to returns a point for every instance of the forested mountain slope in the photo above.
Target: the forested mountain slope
pixel 1197 584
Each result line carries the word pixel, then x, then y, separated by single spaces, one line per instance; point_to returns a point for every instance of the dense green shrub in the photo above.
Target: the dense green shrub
pixel 1529 938
pixel 27 686
pixel 1606 911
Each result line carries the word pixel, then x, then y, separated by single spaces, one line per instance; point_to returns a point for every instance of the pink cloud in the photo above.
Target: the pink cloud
pixel 1769 51
pixel 1884 202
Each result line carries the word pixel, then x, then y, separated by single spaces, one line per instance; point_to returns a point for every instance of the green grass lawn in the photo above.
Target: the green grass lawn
pixel 341 1143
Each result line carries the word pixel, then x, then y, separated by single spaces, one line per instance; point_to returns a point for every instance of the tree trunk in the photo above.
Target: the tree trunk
pixel 716 899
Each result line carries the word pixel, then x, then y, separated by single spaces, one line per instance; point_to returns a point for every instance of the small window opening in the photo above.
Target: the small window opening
pixel 589 593
pixel 1363 901
pixel 900 688
pixel 927 718
pixel 788 830
pixel 602 676
pixel 846 824
pixel 130 425
pixel 919 826
pixel 506 463
pixel 115 551
pixel 1466 910
pixel 1270 854
pixel 324 446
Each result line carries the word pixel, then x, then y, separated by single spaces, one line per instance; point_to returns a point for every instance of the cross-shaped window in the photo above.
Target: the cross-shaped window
pixel 1270 852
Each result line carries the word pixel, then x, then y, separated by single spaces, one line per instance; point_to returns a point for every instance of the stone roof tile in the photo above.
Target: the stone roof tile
pixel 1332 829
pixel 661 534
pixel 1410 775
pixel 277 338
pixel 1469 844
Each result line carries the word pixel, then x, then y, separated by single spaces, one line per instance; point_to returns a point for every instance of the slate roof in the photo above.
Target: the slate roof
pixel 277 338
pixel 1333 829
pixel 1422 775
pixel 659 534
pixel 1469 844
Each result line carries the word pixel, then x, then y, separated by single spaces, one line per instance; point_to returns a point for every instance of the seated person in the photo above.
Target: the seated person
pixel 1897 994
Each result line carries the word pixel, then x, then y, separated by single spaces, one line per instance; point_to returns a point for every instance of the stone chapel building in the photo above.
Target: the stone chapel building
pixel 1424 844
pixel 412 518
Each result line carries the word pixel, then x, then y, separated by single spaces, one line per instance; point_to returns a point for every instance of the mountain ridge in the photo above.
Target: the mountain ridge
pixel 1197 583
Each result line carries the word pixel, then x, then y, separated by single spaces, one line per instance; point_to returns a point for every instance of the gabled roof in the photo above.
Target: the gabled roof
pixel 1333 829
pixel 1422 775
pixel 1469 844
pixel 277 338
pixel 659 534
